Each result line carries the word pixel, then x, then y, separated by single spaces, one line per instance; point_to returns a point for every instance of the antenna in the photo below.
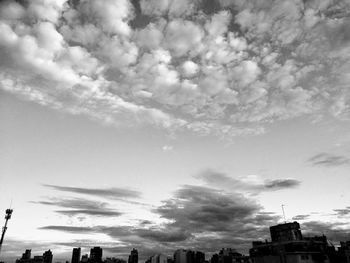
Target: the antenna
pixel 7 217
pixel 284 214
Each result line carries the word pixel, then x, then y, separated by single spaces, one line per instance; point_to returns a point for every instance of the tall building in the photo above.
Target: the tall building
pixel 96 255
pixel 286 232
pixel 134 256
pixel 76 255
pixel 47 256
pixel 180 256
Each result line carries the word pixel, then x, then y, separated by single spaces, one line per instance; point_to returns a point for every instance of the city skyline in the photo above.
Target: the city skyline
pixel 287 244
pixel 165 124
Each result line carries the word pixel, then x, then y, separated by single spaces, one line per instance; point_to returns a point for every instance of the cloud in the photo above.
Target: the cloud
pixel 201 217
pixel 206 219
pixel 81 207
pixel 300 217
pixel 250 183
pixel 167 148
pixel 335 231
pixel 329 160
pixel 225 68
pixel 70 229
pixel 104 213
pixel 109 193
pixel 342 212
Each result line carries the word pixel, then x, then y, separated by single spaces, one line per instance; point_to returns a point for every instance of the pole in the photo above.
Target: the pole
pixel 284 215
pixel 7 217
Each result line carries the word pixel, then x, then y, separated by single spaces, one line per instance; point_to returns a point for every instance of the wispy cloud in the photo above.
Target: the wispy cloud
pixel 79 206
pixel 343 212
pixel 300 217
pixel 222 69
pixel 70 229
pixel 108 193
pixel 329 160
pixel 249 183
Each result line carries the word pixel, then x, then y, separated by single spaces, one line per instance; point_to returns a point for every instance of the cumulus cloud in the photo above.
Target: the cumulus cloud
pixel 329 160
pixel 225 68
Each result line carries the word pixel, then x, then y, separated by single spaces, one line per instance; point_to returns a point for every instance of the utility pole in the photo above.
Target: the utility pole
pixel 7 217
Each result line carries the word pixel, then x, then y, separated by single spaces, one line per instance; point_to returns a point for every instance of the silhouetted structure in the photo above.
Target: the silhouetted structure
pixel 27 254
pixel 114 260
pixel 286 232
pixel 76 255
pixel 344 252
pixel 214 258
pixel 158 258
pixel 134 256
pixel 47 256
pixel 7 217
pixel 288 246
pixel 199 257
pixel 26 257
pixel 229 255
pixel 95 255
pixel 180 256
pixel 85 258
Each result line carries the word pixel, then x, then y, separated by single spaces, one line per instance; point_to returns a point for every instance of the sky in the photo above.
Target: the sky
pixel 166 124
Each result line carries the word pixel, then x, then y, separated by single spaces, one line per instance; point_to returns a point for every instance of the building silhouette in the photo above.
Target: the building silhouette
pixel 26 257
pixel 289 246
pixel 95 255
pixel 229 255
pixel 84 258
pixel 188 256
pixel 344 252
pixel 157 258
pixel 47 256
pixel 114 260
pixel 134 256
pixel 199 257
pixel 76 255
pixel 27 254
pixel 180 256
pixel 214 258
pixel 286 232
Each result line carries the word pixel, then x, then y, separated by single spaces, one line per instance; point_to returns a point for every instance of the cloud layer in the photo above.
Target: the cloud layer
pixel 223 68
pixel 109 193
pixel 329 160
pixel 75 206
pixel 247 184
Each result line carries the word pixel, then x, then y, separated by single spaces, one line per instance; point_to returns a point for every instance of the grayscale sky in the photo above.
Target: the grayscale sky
pixel 162 124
